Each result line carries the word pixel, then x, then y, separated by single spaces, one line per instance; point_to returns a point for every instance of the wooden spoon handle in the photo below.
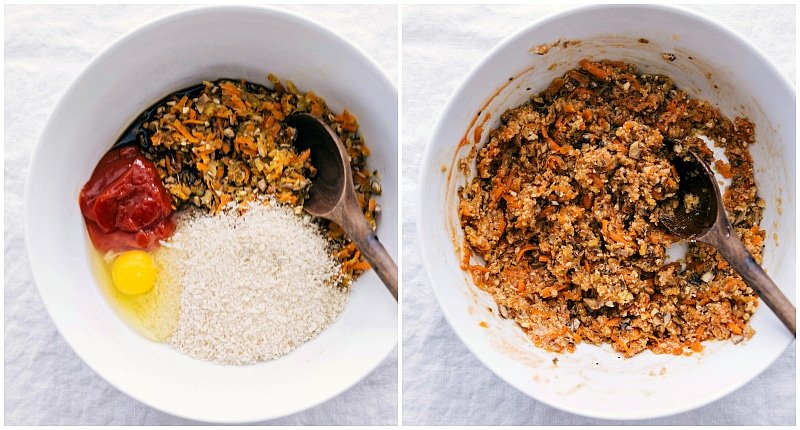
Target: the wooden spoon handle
pixel 360 232
pixel 380 260
pixel 753 275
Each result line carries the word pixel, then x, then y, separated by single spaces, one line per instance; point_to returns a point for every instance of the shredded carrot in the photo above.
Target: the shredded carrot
pixel 554 162
pixel 724 169
pixel 224 200
pixel 155 139
pixel 730 285
pixel 465 256
pixel 735 328
pixel 494 195
pixel 361 265
pixel 523 250
pixel 573 294
pixel 182 130
pixel 316 106
pixel 304 155
pixel 234 95
pixel 179 106
pixel 620 342
pixel 511 201
pixel 510 178
pixel 547 292
pixel 593 69
pixel 757 238
pixel 547 211
pixel 347 120
pixel 230 88
pixel 287 197
pixel 478 134
pixel 555 334
pixel 555 86
pixel 501 226
pixel 701 333
pixel 563 150
pixel 597 181
pixel 613 236
pixel 582 79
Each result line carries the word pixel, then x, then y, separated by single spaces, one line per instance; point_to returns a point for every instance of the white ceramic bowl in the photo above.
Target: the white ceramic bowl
pixel 594 381
pixel 137 70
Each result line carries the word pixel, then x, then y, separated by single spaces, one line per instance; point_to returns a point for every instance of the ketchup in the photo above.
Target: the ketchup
pixel 124 204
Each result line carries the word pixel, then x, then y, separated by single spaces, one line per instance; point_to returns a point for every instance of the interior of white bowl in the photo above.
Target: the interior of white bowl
pixel 137 70
pixel 596 381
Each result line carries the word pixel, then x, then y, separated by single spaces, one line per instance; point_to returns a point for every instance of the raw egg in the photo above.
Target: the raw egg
pixel 134 272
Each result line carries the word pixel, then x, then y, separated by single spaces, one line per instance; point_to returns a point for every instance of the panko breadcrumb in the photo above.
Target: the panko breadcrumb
pixel 564 212
pixel 254 286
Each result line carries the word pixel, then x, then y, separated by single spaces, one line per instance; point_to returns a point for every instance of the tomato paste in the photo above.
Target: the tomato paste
pixel 124 204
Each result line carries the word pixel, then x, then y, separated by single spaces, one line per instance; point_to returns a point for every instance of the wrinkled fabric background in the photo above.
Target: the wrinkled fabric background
pixel 443 383
pixel 45 382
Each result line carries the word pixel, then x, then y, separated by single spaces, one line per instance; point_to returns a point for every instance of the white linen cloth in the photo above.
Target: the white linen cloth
pixel 443 383
pixel 45 382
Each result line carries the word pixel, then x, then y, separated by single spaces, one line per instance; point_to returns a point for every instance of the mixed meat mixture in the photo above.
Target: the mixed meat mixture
pixel 564 214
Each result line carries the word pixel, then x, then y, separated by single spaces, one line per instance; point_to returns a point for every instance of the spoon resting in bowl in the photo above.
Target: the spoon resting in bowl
pixel 332 195
pixel 707 222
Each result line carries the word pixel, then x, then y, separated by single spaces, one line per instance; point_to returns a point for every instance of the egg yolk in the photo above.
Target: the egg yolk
pixel 134 272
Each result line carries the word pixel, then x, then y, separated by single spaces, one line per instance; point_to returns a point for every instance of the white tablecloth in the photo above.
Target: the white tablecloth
pixel 45 382
pixel 443 383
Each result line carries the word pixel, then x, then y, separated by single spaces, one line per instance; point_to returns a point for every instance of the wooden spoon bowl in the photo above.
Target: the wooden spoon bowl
pixel 707 222
pixel 333 197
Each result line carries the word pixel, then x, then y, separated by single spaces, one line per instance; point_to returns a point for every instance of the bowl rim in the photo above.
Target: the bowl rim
pixel 427 166
pixel 284 14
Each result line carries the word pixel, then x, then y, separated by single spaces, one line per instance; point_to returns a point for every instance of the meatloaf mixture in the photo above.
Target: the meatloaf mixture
pixel 564 215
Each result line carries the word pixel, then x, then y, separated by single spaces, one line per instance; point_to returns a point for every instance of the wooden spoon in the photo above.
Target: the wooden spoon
pixel 333 197
pixel 708 223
